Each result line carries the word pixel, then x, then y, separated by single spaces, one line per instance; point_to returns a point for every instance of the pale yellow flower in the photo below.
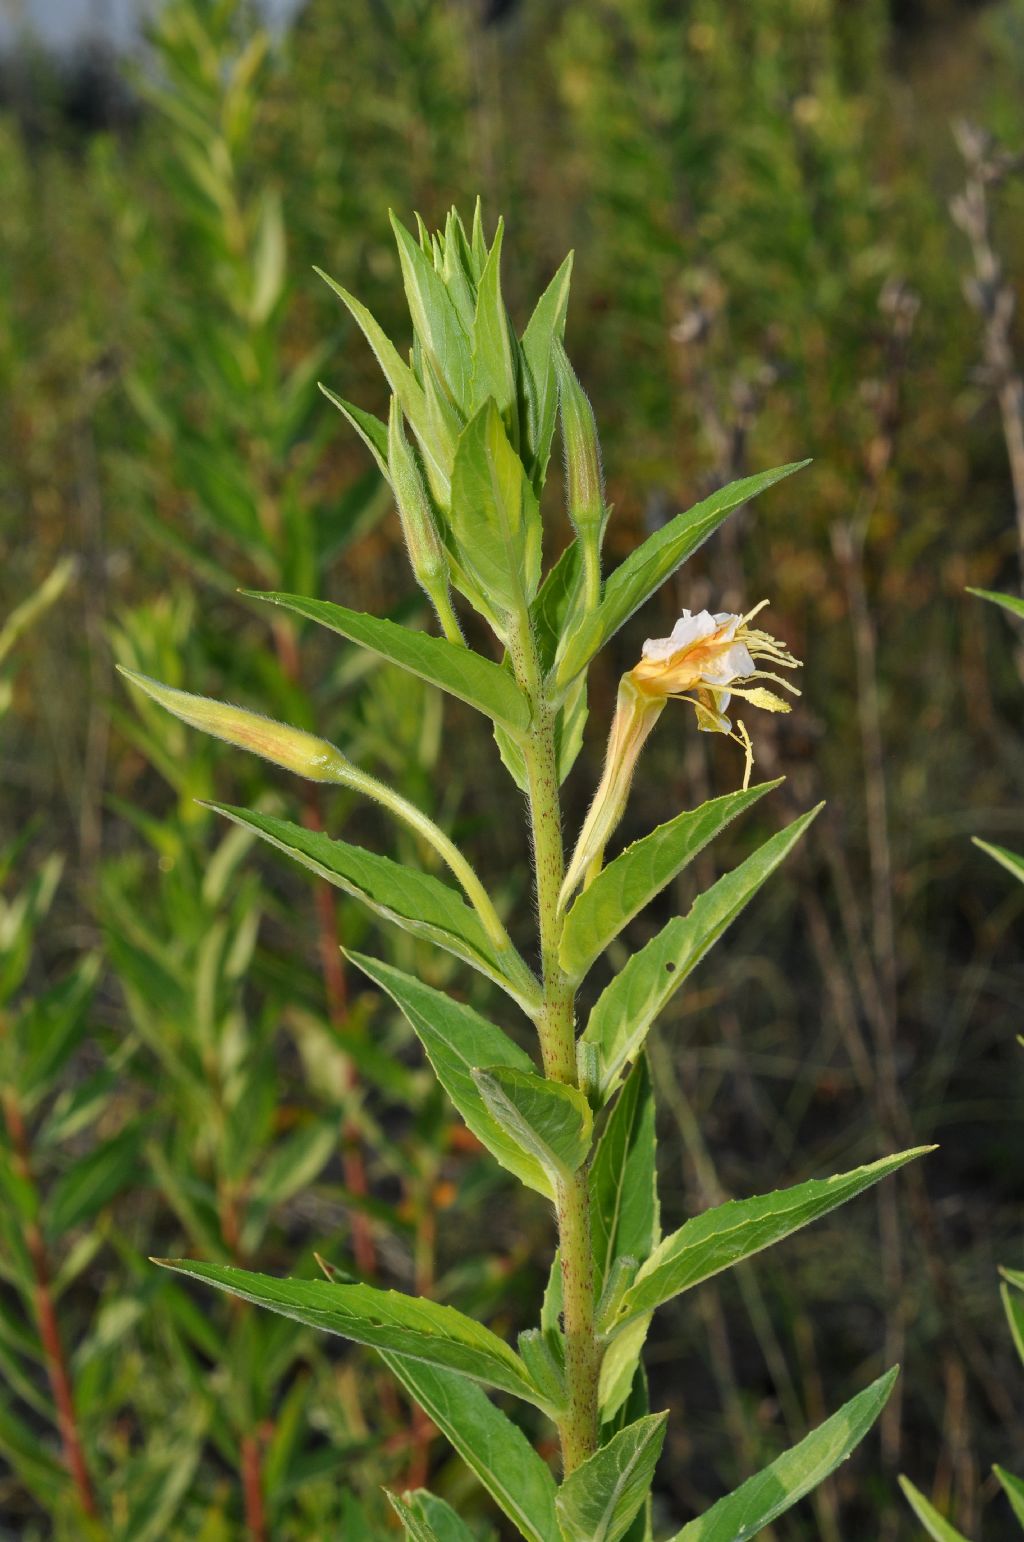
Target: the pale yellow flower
pixel 706 661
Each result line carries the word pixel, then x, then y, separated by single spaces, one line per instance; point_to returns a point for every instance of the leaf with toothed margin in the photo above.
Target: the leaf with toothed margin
pixel 632 880
pixel 597 1501
pixel 649 565
pixel 383 1319
pixel 459 671
pixel 457 1041
pixel 623 1014
pixel 756 1503
pixel 417 902
pixel 491 1446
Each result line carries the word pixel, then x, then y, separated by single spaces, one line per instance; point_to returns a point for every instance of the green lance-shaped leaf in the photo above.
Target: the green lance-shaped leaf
pixel 383 1319
pixel 416 1527
pixel 491 1446
pixel 551 1122
pixel 457 1040
pixel 625 886
pixel 371 430
pixel 598 1501
pixel 434 316
pixel 494 364
pixel 623 1014
pixel 417 902
pixel 494 517
pixel 539 383
pixel 934 1524
pixel 625 1224
pixel 1013 1488
pixel 437 448
pixel 720 1238
pixel 624 1215
pixel 1008 602
pixel 756 1503
pixel 1011 860
pixel 647 568
pixel 459 671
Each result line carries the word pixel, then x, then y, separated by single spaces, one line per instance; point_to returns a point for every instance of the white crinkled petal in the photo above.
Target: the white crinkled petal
pixel 733 664
pixel 687 630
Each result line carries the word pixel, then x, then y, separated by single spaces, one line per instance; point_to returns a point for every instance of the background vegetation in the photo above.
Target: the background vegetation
pixel 766 267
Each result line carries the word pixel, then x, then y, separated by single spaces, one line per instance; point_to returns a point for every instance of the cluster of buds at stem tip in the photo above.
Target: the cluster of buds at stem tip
pixel 706 661
pixel 583 476
pixel 422 540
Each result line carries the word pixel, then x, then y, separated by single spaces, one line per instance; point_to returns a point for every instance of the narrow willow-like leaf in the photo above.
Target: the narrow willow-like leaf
pixel 552 1122
pixel 491 1446
pixel 624 1012
pixel 625 886
pixel 1011 860
pixel 624 1217
pixel 457 1040
pixel 383 1319
pixel 1013 1488
pixel 459 671
pixel 417 902
pixel 720 1238
pixel 371 430
pixel 1010 602
pixel 756 1503
pixel 597 1502
pixel 934 1524
pixel 404 385
pixel 495 519
pixel 647 568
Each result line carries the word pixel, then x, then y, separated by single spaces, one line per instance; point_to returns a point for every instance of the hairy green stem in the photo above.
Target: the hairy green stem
pixel 556 1029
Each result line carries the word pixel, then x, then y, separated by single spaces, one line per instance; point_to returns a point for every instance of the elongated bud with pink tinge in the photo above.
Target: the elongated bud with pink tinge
pixel 291 748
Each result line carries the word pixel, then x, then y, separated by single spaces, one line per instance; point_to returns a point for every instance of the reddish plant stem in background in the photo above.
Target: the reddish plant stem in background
pixel 252 1487
pixel 335 984
pixel 49 1329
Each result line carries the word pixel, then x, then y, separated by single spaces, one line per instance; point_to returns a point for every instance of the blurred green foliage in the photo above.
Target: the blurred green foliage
pixel 765 269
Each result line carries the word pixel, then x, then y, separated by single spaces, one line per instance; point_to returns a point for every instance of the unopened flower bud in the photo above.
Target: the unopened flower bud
pixel 583 477
pixel 289 747
pixel 426 554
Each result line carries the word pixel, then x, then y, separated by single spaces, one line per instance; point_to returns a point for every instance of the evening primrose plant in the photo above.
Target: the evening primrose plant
pixel 466 447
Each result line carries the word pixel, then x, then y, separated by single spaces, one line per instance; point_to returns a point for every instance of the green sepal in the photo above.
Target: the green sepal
pixel 599 1500
pixel 632 880
pixel 756 1503
pixel 551 1122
